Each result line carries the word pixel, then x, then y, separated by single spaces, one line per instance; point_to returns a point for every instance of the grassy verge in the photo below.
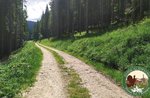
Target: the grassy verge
pixel 19 71
pixel 113 52
pixel 75 90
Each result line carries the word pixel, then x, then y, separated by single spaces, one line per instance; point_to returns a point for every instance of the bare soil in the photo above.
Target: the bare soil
pixel 49 82
pixel 98 85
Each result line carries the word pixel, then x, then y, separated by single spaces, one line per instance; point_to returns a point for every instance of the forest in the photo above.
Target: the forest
pixel 68 17
pixel 12 26
pixel 73 45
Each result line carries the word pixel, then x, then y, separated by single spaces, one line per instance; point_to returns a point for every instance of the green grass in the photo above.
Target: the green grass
pixel 75 90
pixel 58 58
pixel 19 71
pixel 113 52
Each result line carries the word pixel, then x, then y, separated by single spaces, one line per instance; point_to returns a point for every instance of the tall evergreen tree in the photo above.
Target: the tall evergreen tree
pixel 67 17
pixel 12 26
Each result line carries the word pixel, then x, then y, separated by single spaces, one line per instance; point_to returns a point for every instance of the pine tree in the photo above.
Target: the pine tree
pixel 12 26
pixel 70 16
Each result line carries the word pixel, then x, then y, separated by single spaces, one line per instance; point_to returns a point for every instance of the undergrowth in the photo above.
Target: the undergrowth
pixel 113 52
pixel 19 72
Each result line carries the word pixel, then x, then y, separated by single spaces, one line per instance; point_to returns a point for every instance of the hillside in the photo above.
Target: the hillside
pixel 74 48
pixel 112 52
pixel 30 25
pixel 19 72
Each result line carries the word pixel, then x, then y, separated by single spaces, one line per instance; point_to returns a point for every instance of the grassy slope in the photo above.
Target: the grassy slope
pixel 113 52
pixel 19 71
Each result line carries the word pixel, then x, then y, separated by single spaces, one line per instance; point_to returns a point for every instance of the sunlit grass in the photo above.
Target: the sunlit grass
pixel 113 52
pixel 19 71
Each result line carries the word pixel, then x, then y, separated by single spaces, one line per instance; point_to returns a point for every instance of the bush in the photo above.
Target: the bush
pixel 118 49
pixel 19 71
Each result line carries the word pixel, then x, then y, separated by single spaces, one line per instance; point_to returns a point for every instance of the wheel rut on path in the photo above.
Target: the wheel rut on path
pixel 49 82
pixel 98 85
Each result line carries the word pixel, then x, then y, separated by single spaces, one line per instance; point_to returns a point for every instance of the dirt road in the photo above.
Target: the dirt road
pixel 49 81
pixel 97 84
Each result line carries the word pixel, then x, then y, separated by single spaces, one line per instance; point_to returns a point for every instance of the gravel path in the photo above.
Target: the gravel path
pixel 97 84
pixel 49 81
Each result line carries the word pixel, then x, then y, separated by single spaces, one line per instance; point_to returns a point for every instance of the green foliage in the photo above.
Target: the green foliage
pixel 118 49
pixel 19 71
pixel 13 26
pixel 67 17
pixel 74 88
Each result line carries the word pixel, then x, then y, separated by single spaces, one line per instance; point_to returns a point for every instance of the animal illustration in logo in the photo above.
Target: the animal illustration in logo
pixel 135 82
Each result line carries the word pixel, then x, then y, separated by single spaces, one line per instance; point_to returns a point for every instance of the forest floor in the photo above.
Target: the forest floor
pixel 97 84
pixel 49 82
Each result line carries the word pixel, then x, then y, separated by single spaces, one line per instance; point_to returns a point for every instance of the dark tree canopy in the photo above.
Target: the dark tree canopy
pixel 66 17
pixel 12 25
